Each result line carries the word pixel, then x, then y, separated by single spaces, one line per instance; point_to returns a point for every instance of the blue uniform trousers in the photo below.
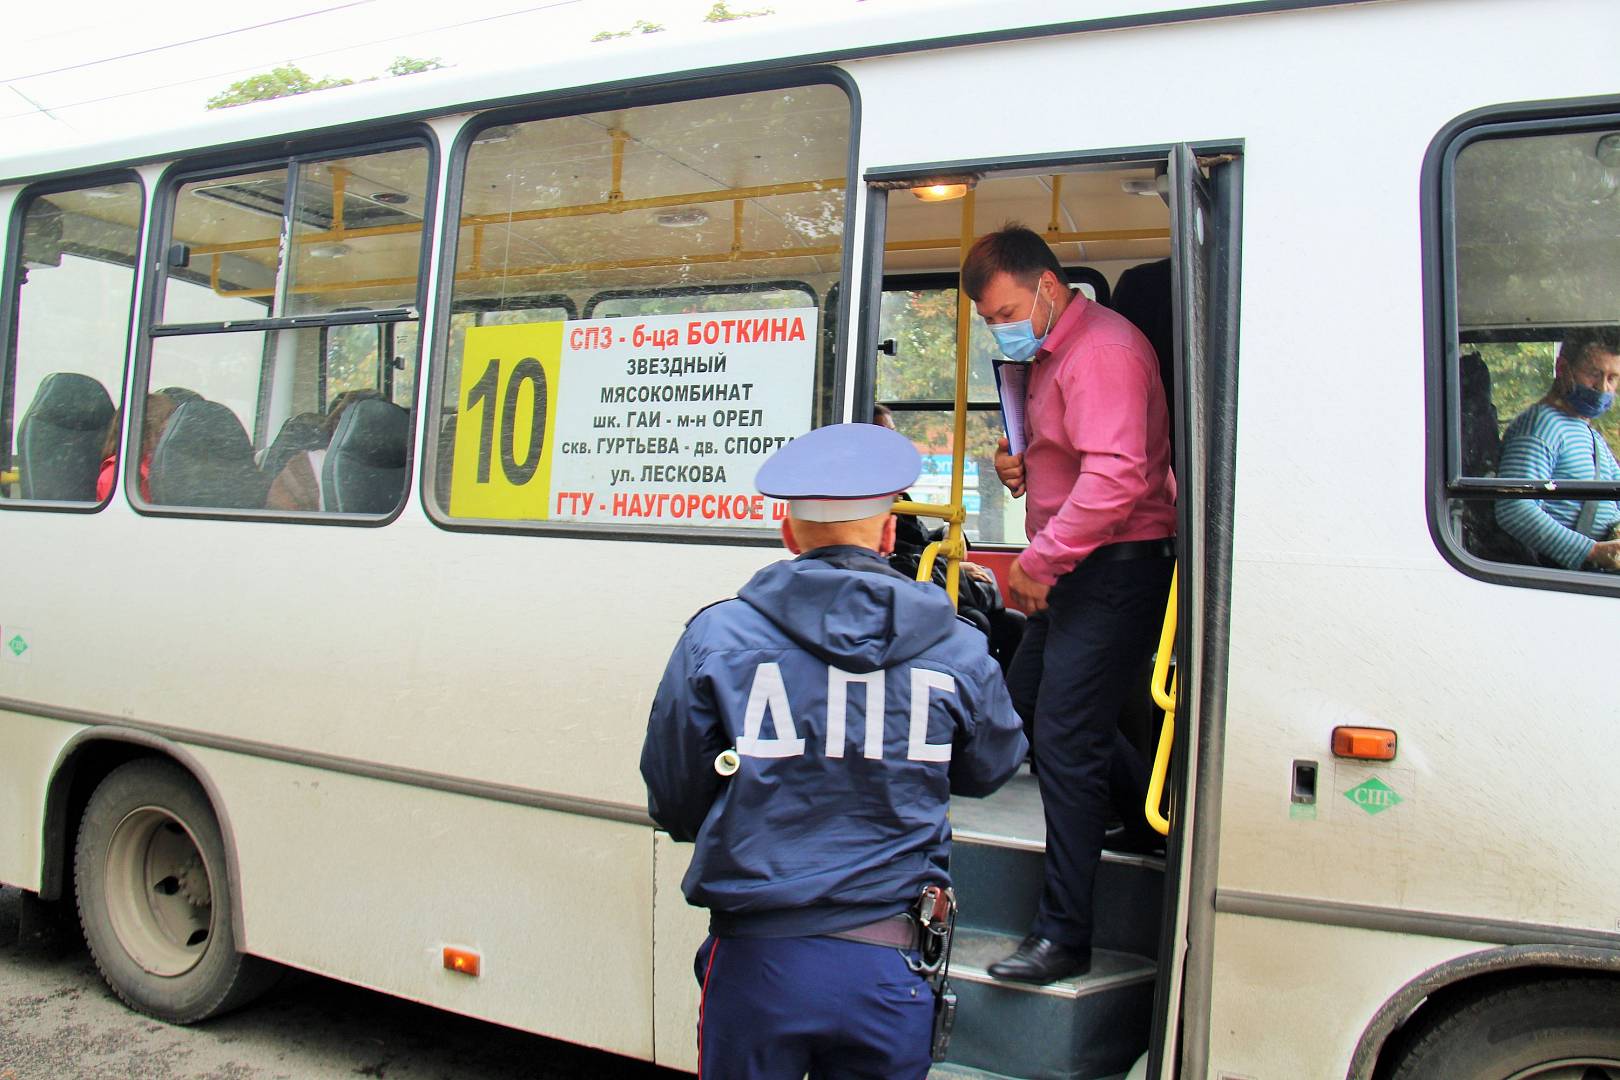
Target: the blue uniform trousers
pixel 781 1008
pixel 1077 662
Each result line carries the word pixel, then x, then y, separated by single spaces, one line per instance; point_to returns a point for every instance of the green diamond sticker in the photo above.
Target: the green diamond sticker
pixel 1373 796
pixel 17 645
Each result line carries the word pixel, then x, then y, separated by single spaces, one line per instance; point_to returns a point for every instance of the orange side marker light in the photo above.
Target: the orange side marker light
pixel 1364 743
pixel 463 960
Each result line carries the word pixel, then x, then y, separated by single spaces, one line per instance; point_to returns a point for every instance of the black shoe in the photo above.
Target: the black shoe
pixel 1041 960
pixel 1143 841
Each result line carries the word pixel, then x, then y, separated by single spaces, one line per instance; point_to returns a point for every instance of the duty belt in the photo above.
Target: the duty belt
pixel 895 932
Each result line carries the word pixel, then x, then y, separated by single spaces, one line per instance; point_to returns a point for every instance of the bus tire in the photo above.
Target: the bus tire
pixel 154 898
pixel 1552 1028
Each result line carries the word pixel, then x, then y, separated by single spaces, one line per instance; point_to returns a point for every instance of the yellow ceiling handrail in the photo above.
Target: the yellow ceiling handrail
pixel 547 213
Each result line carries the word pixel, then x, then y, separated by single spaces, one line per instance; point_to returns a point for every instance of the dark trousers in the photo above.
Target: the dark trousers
pixel 781 1008
pixel 1078 661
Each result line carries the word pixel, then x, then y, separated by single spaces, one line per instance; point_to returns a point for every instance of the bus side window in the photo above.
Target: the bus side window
pixel 74 253
pixel 293 294
pixel 701 236
pixel 1533 252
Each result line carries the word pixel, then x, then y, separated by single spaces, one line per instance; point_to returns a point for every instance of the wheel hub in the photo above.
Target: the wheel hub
pixel 159 892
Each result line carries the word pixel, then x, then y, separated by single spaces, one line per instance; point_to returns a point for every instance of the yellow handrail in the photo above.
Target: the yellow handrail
pixel 1164 695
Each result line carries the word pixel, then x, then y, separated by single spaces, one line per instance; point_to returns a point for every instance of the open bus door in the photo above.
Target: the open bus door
pixel 1205 209
pixel 1139 1003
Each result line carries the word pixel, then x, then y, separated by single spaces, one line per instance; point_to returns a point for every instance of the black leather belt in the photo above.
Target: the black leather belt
pixel 1134 549
pixel 896 932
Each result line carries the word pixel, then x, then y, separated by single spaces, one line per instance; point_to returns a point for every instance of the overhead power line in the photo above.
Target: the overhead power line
pixel 306 56
pixel 188 41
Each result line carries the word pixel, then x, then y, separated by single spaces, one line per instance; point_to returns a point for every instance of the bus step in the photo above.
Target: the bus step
pixel 998 885
pixel 1089 1027
pixel 947 1071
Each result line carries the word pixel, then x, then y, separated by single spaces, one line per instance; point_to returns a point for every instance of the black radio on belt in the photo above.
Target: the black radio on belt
pixel 935 912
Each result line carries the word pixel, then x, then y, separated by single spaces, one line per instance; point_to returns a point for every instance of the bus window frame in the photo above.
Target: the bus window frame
pixel 784 285
pixel 482 305
pixel 575 103
pixel 209 164
pixel 10 292
pixel 1443 479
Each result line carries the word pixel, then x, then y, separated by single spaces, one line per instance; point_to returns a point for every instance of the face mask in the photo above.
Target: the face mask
pixel 1587 401
pixel 1017 340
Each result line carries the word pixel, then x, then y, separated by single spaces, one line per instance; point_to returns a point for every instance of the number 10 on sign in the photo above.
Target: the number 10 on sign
pixel 505 421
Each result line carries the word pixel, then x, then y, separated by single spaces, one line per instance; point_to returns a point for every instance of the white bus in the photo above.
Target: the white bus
pixel 362 455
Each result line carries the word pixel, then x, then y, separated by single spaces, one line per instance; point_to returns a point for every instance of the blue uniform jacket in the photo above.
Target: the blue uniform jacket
pixel 858 703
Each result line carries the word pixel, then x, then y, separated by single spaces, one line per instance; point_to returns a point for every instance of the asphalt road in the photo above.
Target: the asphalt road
pixel 58 1021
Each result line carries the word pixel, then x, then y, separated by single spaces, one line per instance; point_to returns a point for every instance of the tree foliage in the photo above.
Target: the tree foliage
pixel 721 13
pixel 412 65
pixel 288 80
pixel 641 26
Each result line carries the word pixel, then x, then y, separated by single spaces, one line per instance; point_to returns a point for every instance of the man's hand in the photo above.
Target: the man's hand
pixel 1010 467
pixel 1605 554
pixel 1028 595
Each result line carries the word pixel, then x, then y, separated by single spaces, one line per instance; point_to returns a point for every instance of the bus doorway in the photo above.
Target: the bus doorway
pixel 1151 236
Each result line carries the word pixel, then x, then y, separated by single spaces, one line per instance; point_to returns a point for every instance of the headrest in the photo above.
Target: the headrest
pixel 180 395
pixel 205 429
pixel 373 432
pixel 67 399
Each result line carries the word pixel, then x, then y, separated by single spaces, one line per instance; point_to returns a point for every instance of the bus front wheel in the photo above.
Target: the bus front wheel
pixel 154 899
pixel 1558 1029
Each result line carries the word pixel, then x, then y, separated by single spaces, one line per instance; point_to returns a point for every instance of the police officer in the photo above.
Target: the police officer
pixel 807 735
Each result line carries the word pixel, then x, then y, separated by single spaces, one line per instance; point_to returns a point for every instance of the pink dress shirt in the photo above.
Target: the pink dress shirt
pixel 1097 468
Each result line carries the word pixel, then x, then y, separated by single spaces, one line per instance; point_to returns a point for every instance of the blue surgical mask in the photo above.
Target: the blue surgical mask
pixel 1017 340
pixel 1587 401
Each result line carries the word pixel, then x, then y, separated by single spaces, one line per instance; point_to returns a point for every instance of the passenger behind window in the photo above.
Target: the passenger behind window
pixel 297 486
pixel 978 596
pixel 1555 439
pixel 159 408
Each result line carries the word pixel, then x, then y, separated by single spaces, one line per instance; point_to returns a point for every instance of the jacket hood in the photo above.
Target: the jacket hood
pixel 846 607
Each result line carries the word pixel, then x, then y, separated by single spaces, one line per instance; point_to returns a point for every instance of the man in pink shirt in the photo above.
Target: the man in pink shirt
pixel 1101 520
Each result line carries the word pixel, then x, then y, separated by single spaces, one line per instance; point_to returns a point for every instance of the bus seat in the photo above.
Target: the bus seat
pixel 60 438
pixel 364 471
pixel 205 459
pixel 445 466
pixel 1481 450
pixel 299 433
pixel 1143 295
pixel 1089 275
pixel 180 395
pixel 1481 426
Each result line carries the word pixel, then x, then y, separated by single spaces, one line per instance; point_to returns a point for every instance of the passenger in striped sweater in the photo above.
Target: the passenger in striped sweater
pixel 1555 439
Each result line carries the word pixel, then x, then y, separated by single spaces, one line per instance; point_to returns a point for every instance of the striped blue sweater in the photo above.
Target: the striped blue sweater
pixel 1544 443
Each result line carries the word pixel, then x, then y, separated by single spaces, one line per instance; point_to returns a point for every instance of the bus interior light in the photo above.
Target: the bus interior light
pixel 464 961
pixel 1364 743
